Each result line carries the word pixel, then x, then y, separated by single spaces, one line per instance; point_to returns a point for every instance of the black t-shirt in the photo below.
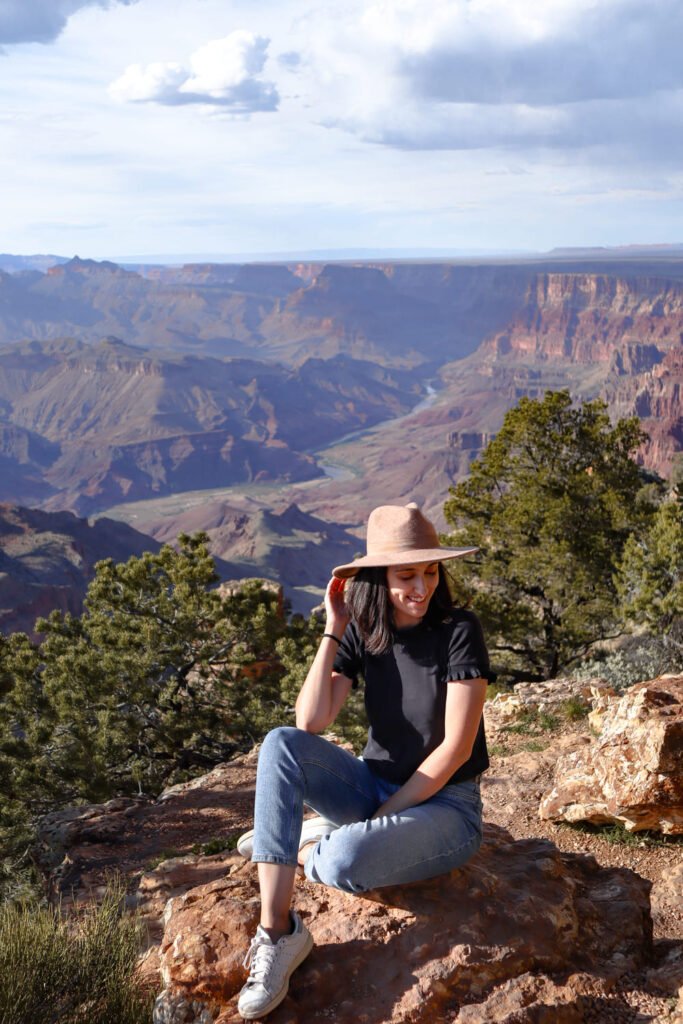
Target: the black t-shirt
pixel 405 691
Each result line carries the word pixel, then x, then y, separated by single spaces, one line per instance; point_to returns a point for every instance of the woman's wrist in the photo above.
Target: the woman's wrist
pixel 335 628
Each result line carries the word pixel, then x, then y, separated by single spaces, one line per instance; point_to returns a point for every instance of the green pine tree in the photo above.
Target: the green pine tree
pixel 650 575
pixel 550 503
pixel 161 677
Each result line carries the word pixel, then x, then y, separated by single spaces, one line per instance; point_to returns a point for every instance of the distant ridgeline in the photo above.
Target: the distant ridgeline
pixel 119 386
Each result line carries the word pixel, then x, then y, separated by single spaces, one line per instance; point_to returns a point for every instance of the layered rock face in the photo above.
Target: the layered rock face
pixel 89 426
pixel 586 317
pixel 633 772
pixel 655 395
pixel 358 340
pixel 289 545
pixel 403 315
pixel 518 913
pixel 391 314
pixel 621 334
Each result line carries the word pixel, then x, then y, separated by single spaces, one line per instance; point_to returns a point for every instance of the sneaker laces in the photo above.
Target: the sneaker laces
pixel 259 959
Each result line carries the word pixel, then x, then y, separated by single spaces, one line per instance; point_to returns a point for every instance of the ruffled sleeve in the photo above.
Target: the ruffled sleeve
pixel 349 657
pixel 468 657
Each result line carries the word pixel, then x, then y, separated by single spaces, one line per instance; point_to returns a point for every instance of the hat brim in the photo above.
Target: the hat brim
pixel 413 557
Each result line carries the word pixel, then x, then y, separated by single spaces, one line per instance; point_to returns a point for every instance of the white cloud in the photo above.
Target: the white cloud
pixel 41 21
pixel 222 73
pixel 598 76
pixel 158 82
pixel 418 27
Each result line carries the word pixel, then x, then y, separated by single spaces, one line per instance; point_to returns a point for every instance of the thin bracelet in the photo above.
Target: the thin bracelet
pixel 332 637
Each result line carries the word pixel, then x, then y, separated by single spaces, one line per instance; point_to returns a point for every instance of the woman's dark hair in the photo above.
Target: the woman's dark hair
pixel 367 599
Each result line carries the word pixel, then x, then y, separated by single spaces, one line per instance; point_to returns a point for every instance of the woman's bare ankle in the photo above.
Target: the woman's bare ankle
pixel 304 852
pixel 275 929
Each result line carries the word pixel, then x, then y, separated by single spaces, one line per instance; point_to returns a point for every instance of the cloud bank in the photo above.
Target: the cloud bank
pixel 222 73
pixel 41 21
pixel 505 74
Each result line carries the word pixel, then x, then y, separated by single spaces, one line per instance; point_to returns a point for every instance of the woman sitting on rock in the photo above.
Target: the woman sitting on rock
pixel 408 809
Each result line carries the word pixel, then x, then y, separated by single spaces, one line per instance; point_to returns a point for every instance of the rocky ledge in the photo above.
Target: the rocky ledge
pixel 493 941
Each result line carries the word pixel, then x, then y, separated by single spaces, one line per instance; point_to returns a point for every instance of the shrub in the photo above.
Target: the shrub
pixel 215 846
pixel 159 679
pixel 71 971
pixel 532 720
pixel 535 746
pixel 574 709
pixel 638 658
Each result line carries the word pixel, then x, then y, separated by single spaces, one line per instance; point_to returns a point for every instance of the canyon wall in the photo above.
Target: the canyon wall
pixel 47 560
pixel 87 426
pixel 352 344
pixel 617 338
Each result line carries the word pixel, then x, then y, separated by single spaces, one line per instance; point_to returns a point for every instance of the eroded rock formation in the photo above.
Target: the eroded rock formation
pixel 633 772
pixel 86 426
pixel 418 953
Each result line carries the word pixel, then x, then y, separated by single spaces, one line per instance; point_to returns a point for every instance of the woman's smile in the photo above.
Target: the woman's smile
pixel 410 590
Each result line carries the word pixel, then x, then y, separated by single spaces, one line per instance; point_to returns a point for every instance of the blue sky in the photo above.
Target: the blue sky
pixel 227 126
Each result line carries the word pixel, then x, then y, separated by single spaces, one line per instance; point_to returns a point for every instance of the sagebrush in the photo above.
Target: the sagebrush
pixel 79 970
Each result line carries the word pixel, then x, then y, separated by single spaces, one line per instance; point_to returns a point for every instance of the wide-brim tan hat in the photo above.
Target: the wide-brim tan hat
pixel 400 535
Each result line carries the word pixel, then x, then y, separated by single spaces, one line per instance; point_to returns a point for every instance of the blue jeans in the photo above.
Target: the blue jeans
pixel 297 767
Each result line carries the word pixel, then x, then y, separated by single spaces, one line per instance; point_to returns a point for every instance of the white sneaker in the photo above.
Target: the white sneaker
pixel 271 965
pixel 312 830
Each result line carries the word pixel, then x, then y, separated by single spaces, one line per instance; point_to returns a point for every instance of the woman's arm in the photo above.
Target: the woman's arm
pixel 464 706
pixel 324 691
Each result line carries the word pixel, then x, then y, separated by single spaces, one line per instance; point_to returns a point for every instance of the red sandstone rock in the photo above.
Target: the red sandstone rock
pixel 79 846
pixel 534 999
pixel 629 329
pixel 419 953
pixel 669 890
pixel 173 877
pixel 633 772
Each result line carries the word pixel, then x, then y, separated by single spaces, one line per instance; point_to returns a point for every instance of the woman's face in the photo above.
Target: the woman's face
pixel 410 591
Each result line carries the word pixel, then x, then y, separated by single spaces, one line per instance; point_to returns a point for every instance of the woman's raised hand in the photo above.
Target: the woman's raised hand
pixel 336 611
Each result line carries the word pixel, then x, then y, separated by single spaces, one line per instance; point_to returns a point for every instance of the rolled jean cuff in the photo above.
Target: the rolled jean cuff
pixel 268 858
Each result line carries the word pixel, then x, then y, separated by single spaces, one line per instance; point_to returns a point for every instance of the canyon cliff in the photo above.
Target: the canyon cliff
pixel 265 380
pixel 88 426
pixel 617 338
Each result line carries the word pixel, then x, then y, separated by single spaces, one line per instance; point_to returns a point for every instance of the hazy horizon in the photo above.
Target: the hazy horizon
pixel 637 251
